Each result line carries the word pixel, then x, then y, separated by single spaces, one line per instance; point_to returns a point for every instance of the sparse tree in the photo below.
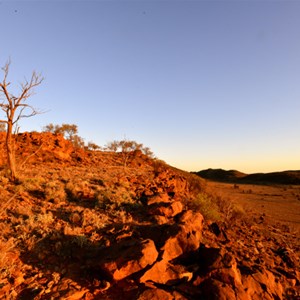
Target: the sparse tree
pixel 15 107
pixel 93 146
pixel 112 146
pixel 77 141
pixel 126 147
pixel 69 131
pixel 50 128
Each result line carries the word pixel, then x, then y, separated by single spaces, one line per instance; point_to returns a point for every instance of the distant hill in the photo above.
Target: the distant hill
pixel 284 177
pixel 221 175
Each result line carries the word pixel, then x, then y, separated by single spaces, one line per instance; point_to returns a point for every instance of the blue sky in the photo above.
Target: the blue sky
pixel 204 84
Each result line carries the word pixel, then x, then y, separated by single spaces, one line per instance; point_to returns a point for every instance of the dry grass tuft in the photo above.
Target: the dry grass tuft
pixel 206 205
pixel 8 256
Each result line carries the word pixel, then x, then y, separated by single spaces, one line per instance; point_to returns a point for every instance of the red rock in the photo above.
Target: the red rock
pixel 213 289
pixel 194 219
pixel 172 182
pixel 76 295
pixel 167 210
pixel 158 198
pixel 287 256
pixel 128 257
pixel 166 273
pixel 185 237
pixel 230 275
pixel 156 294
pixel 227 283
pixel 75 218
pixel 160 220
pixel 5 290
pixel 262 285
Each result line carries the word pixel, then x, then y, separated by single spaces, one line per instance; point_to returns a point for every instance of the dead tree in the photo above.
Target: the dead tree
pixel 15 108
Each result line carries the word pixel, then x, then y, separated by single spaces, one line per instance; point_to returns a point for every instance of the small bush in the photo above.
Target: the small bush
pixel 159 166
pixel 229 209
pixel 196 184
pixel 94 218
pixel 32 183
pixel 206 206
pixel 54 191
pixel 6 248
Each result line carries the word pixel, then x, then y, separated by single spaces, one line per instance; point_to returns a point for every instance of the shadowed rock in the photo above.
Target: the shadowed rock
pixel 128 257
pixel 166 273
pixel 184 237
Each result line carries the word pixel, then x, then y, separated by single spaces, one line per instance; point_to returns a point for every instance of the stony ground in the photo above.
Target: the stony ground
pixel 278 203
pixel 81 225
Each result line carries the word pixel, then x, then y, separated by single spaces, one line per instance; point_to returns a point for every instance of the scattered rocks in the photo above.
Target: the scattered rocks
pixel 128 234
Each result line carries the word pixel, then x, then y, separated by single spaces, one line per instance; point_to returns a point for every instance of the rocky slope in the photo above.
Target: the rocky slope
pixel 80 225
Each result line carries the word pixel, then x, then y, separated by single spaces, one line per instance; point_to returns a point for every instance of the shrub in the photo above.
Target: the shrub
pixel 206 206
pixel 229 209
pixel 93 146
pixel 159 166
pixel 7 248
pixel 55 191
pixel 196 184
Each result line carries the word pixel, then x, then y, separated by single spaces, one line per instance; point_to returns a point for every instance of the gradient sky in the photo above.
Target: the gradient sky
pixel 204 84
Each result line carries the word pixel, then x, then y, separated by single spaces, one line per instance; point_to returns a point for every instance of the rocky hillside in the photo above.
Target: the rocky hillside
pixel 233 176
pixel 81 225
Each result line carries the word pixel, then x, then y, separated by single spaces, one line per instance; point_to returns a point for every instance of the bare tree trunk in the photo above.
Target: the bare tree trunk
pixel 11 161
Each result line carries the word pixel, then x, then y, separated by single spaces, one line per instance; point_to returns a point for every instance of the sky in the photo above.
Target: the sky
pixel 204 84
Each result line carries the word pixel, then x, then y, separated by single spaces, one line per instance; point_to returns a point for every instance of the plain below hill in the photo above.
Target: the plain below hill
pixel 233 176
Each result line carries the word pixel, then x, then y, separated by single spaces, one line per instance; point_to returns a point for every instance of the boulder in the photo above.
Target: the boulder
pixel 127 257
pixel 166 273
pixel 225 280
pixel 214 289
pixel 184 237
pixel 158 198
pixel 166 209
pixel 173 183
pixel 262 285
pixel 155 294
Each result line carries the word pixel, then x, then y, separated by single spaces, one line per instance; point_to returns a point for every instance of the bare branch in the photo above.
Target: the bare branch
pixel 22 115
pixel 4 91
pixel 27 87
pixel 4 107
pixel 5 70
